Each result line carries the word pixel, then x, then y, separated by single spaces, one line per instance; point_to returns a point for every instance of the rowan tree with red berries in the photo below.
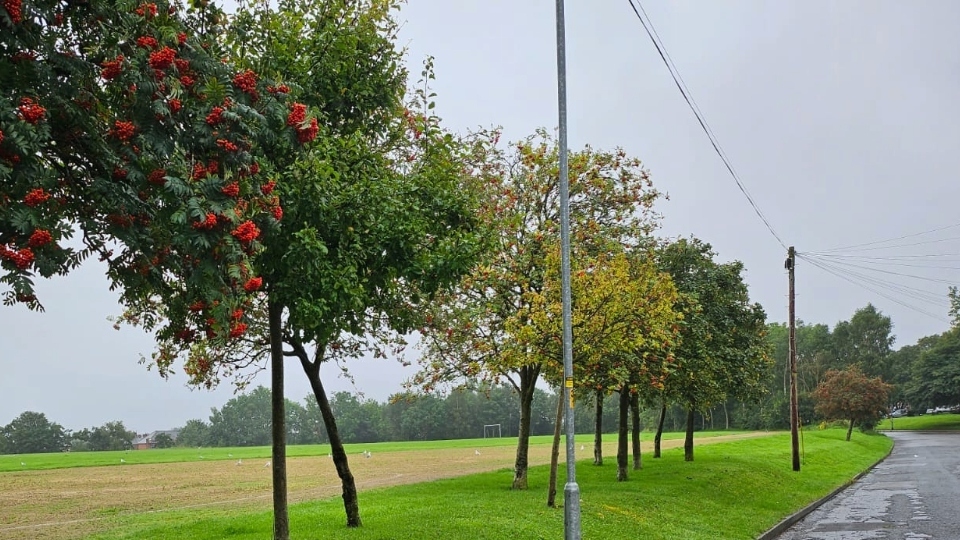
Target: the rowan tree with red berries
pixel 124 134
pixel 376 212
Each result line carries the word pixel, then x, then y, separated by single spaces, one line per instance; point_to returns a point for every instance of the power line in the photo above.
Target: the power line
pixel 687 96
pixel 842 275
pixel 875 248
pixel 901 274
pixel 931 231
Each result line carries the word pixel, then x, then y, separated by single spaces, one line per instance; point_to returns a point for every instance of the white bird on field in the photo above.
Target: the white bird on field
pixel 476 452
pixel 581 447
pixel 229 455
pixel 201 457
pixel 22 464
pixel 329 455
pixel 122 460
pixel 267 464
pixel 239 462
pixel 366 454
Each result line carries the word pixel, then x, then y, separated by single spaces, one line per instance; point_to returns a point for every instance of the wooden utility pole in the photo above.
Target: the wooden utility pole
pixel 794 413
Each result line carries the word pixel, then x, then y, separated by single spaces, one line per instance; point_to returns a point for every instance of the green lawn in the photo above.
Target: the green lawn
pixel 733 490
pixel 62 460
pixel 936 422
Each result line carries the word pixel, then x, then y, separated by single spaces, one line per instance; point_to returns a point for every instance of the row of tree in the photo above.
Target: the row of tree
pixel 31 432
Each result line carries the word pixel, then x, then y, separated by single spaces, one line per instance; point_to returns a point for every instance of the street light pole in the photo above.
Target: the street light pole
pixel 571 491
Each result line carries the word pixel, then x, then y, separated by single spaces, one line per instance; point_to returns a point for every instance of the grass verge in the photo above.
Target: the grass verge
pixel 66 460
pixel 932 422
pixel 733 490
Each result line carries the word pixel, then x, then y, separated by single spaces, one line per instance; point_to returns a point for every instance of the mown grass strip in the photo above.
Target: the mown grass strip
pixel 63 460
pixel 930 422
pixel 733 490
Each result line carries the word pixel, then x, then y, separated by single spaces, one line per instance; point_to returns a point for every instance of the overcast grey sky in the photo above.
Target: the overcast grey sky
pixel 840 117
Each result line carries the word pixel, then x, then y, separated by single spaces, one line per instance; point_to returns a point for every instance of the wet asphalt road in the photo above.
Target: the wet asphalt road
pixel 914 494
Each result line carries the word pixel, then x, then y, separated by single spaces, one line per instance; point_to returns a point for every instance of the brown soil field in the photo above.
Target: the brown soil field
pixel 67 504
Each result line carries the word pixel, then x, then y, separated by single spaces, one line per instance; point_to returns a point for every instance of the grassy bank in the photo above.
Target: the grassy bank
pixel 932 422
pixel 64 460
pixel 733 490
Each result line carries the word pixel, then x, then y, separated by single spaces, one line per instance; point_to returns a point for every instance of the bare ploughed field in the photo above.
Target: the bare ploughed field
pixel 73 503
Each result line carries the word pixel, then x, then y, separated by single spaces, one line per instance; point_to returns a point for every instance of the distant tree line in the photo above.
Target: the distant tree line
pixel 407 416
pixel 32 432
pixel 923 375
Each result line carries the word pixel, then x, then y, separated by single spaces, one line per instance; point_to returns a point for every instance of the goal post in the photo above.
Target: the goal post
pixel 491 430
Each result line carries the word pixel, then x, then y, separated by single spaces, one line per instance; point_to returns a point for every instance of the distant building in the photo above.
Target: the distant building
pixel 149 440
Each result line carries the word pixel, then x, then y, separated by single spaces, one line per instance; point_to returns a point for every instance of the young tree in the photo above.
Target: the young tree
pixel 722 351
pixel 851 395
pixel 467 334
pixel 377 215
pixel 623 318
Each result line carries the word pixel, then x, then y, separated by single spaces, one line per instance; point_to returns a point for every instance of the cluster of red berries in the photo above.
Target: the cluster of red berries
pixel 175 105
pixel 246 81
pixel 187 80
pixel 147 42
pixel 246 232
pixel 209 222
pixel 197 306
pixel 267 188
pixel 39 238
pixel 280 89
pixel 227 145
pixel 215 116
pixel 156 177
pixel 183 65
pixel 147 10
pixel 111 68
pixel 31 111
pixel 237 314
pixel 237 330
pixel 162 59
pixel 231 190
pixel 123 130
pixel 15 9
pixel 277 213
pixel 1 135
pixel 199 171
pixel 298 113
pixel 22 258
pixel 253 284
pixel 181 37
pixel 297 118
pixel 35 197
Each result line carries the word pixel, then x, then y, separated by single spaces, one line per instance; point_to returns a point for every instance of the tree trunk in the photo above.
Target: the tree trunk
pixel 635 430
pixel 850 429
pixel 622 435
pixel 281 520
pixel 598 431
pixel 688 441
pixel 555 453
pixel 657 437
pixel 349 486
pixel 528 382
pixel 726 417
